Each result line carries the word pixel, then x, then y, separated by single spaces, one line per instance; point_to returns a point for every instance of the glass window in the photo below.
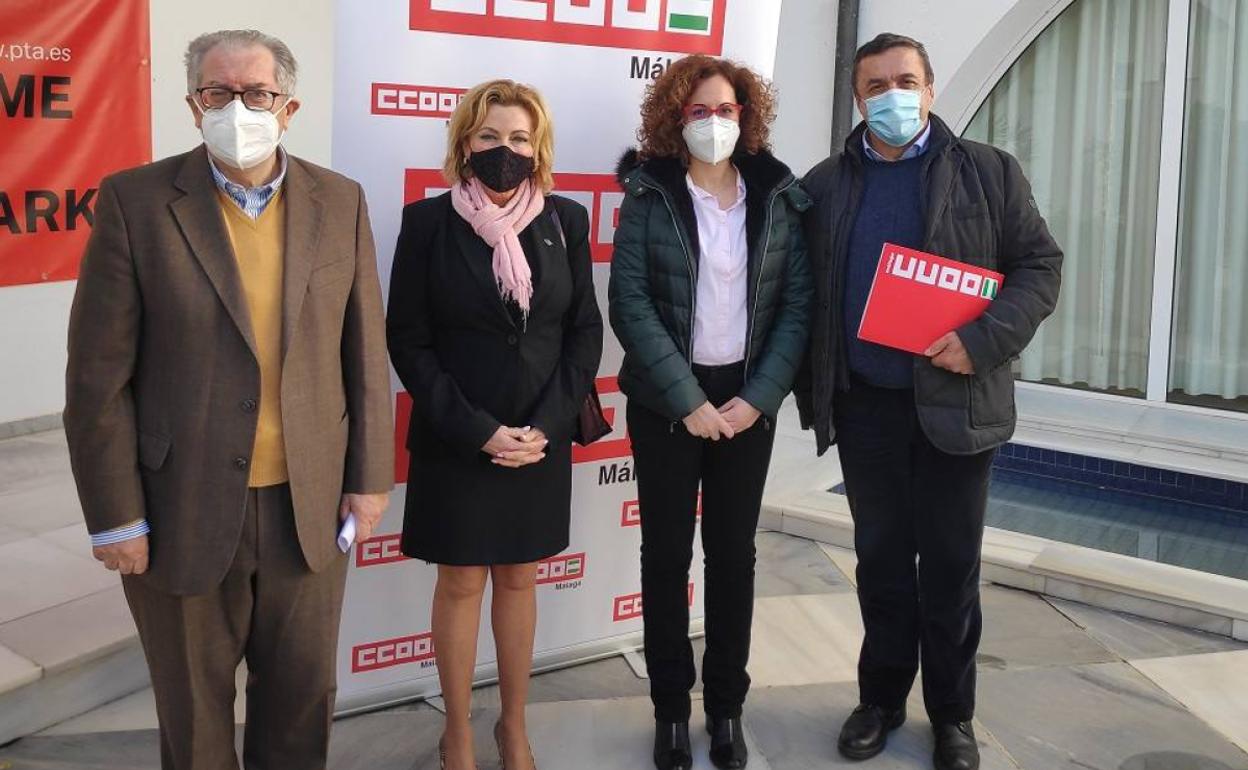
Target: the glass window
pixel 1081 110
pixel 1209 355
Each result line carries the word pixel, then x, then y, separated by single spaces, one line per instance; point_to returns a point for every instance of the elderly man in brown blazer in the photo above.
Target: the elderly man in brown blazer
pixel 228 407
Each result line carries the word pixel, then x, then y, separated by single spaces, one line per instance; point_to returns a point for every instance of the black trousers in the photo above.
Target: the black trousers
pixel 670 463
pixel 918 527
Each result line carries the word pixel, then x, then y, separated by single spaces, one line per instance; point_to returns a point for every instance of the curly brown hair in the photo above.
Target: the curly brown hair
pixel 662 110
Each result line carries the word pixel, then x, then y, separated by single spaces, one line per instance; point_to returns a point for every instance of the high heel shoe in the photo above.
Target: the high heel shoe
pixel 442 755
pixel 498 739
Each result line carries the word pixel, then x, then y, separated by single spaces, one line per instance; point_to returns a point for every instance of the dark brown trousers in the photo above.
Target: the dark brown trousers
pixel 270 610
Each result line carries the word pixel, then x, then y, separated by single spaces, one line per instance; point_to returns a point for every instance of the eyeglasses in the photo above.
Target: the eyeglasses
pixel 727 111
pixel 217 97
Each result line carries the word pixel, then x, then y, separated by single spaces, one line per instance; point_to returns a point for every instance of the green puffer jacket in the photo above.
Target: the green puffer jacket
pixel 654 278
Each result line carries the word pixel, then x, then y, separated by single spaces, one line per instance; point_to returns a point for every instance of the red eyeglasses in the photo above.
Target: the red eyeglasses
pixel 727 111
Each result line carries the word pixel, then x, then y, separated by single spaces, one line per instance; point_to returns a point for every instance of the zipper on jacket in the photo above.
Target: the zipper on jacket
pixel 762 262
pixel 693 273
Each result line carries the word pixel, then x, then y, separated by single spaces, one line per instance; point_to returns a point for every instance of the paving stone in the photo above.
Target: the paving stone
pixel 790 566
pixel 133 750
pixel 37 492
pixel 1022 630
pixel 1211 686
pixel 1106 716
pixel 1135 638
pixel 74 632
pixel 36 575
pixel 16 670
pixel 805 639
pixel 396 741
pixel 796 729
pixel 608 678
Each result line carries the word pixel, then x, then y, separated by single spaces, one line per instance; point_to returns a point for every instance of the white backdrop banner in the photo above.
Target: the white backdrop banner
pixel 401 67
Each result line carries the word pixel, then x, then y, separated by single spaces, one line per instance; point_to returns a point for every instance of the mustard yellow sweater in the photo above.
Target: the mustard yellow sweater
pixel 259 247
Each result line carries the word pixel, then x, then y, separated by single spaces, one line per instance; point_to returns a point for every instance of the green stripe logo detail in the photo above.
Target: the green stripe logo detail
pixel 688 22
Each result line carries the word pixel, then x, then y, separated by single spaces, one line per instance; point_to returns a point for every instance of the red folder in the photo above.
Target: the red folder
pixel 917 298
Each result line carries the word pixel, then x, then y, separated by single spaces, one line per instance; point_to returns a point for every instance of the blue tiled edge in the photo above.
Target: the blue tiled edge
pixel 1117 475
pixel 1125 477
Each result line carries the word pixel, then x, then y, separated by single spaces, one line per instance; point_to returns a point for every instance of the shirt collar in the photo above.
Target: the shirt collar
pixel 234 190
pixel 698 192
pixel 913 151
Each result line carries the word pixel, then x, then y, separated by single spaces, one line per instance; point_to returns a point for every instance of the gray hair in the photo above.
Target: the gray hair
pixel 284 61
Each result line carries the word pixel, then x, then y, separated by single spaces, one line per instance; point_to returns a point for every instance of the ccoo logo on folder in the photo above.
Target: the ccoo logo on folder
pixel 917 298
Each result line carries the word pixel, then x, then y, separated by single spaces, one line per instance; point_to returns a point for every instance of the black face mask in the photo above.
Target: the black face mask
pixel 501 169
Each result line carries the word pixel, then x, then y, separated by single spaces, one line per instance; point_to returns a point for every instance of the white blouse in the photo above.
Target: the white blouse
pixel 721 319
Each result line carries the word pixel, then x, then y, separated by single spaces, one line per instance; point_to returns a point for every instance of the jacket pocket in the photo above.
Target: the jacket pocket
pixel 992 398
pixel 153 450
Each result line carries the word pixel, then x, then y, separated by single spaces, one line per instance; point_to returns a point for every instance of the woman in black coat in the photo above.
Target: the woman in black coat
pixel 494 329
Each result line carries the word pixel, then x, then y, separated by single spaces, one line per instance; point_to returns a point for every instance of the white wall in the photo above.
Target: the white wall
pixel 803 79
pixel 33 319
pixel 33 323
pixel 304 25
pixel 950 29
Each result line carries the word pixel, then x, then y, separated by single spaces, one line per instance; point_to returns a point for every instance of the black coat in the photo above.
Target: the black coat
pixel 470 367
pixel 978 209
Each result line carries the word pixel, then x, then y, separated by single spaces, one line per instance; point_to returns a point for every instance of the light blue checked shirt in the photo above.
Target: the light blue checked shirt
pixel 253 201
pixel 913 151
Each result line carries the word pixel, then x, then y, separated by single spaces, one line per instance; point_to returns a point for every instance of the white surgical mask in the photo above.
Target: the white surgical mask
pixel 240 137
pixel 712 139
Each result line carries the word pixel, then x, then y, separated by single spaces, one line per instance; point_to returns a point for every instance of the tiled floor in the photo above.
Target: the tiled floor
pixel 1061 686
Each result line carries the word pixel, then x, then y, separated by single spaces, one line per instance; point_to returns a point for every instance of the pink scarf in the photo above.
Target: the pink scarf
pixel 499 227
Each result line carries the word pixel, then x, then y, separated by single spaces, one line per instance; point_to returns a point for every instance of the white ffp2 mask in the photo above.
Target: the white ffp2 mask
pixel 240 137
pixel 712 139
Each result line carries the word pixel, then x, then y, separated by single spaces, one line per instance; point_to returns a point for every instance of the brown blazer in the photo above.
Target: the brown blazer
pixel 162 376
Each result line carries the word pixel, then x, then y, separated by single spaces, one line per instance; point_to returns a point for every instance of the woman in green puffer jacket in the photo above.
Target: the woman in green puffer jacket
pixel 710 296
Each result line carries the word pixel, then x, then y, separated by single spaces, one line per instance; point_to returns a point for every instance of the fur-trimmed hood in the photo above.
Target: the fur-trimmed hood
pixel 763 173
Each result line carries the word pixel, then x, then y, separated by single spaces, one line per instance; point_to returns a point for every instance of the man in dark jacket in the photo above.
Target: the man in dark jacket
pixel 917 434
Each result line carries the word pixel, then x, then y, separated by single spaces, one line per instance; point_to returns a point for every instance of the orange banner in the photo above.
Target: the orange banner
pixel 75 106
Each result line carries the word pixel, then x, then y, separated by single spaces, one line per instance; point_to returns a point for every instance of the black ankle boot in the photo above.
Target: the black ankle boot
pixel 866 730
pixel 671 746
pixel 728 750
pixel 956 748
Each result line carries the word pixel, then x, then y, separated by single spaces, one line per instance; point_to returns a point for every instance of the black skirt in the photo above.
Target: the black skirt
pixel 472 512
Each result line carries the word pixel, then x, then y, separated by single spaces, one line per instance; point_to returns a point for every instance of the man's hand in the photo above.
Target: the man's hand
pixel 533 449
pixel 129 557
pixel 740 414
pixel 368 510
pixel 948 353
pixel 707 422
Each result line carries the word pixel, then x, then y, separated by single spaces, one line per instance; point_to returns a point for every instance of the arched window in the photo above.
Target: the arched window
pixel 1082 111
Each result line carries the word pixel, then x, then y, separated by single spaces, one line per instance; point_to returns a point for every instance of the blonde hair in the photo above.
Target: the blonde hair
pixel 469 116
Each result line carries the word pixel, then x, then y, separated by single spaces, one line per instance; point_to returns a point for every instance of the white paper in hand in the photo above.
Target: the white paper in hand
pixel 346 535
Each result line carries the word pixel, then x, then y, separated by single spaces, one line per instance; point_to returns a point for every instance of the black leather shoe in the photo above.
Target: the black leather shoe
pixel 866 730
pixel 956 748
pixel 728 750
pixel 671 746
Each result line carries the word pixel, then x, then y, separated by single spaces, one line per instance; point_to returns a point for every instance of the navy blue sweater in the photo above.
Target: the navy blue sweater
pixel 891 211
